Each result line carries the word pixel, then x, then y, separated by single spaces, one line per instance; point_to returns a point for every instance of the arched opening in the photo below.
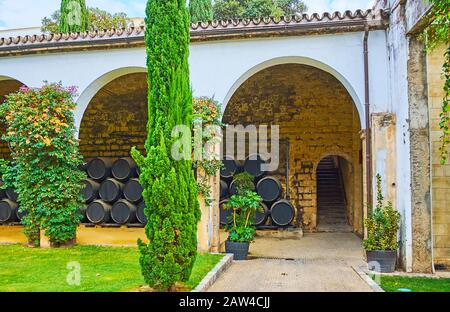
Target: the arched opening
pixel 116 118
pixel 335 187
pixel 317 116
pixel 7 86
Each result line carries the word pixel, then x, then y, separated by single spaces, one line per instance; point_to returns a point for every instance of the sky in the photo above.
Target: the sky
pixel 28 13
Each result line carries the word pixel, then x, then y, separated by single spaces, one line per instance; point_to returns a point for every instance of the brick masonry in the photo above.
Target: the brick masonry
pixel 6 87
pixel 318 117
pixel 116 118
pixel 440 174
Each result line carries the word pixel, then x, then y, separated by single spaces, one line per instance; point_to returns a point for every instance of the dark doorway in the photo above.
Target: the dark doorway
pixel 331 197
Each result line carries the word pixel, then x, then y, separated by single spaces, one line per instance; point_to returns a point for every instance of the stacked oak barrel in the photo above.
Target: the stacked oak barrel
pixel 277 213
pixel 113 193
pixel 9 208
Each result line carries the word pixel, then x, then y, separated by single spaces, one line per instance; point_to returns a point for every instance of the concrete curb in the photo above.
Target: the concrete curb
pixel 215 273
pixel 366 278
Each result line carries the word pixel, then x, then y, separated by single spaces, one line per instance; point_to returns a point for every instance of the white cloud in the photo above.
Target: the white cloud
pixel 320 6
pixel 29 13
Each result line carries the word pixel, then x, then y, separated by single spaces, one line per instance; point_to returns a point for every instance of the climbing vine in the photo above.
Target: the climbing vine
pixel 438 33
pixel 45 160
pixel 207 122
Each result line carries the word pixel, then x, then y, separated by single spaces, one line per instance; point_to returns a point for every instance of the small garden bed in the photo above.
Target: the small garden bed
pixel 102 269
pixel 415 284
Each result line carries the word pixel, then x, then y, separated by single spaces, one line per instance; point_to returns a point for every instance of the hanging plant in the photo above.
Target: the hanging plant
pixel 207 117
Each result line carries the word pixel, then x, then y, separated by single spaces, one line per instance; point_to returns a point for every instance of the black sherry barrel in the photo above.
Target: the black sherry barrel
pixel 124 169
pixel 262 216
pixel 282 213
pixel 99 168
pixel 223 189
pixel 132 191
pixel 230 167
pixel 98 212
pixel 20 214
pixel 225 215
pixel 232 190
pixel 90 190
pixel 123 212
pixel 270 189
pixel 110 190
pixel 8 211
pixel 140 213
pixel 253 165
pixel 11 194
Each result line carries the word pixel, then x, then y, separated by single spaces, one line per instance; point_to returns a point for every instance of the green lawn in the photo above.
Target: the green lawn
pixel 415 284
pixel 103 269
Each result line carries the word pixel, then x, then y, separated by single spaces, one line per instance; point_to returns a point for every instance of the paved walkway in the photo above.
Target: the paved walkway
pixel 317 262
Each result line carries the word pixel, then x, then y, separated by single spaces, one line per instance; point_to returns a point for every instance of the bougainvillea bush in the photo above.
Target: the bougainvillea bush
pixel 45 160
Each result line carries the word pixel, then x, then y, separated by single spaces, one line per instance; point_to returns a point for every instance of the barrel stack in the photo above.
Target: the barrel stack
pixel 9 207
pixel 113 193
pixel 276 212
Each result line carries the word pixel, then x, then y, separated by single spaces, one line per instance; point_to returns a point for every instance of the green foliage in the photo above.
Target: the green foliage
pixel 233 9
pixel 244 183
pixel 74 16
pixel 207 115
pixel 45 159
pixel 98 20
pixel 244 207
pixel 170 190
pixel 201 10
pixel 382 225
pixel 437 33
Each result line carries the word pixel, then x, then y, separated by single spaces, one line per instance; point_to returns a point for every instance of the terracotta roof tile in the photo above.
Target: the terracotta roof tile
pixel 202 31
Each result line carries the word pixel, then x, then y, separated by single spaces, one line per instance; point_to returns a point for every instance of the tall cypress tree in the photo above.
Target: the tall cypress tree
pixel 170 190
pixel 74 16
pixel 201 10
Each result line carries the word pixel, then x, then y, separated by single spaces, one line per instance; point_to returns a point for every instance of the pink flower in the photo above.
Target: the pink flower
pixel 24 89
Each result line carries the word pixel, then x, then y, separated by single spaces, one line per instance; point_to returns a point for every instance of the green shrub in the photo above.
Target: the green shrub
pixel 244 207
pixel 45 160
pixel 201 10
pixel 382 225
pixel 74 16
pixel 170 190
pixel 244 183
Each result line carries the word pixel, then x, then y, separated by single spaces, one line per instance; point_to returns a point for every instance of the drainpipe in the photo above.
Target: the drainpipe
pixel 368 121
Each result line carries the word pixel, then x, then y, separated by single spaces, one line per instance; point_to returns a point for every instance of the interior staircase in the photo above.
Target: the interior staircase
pixel 332 216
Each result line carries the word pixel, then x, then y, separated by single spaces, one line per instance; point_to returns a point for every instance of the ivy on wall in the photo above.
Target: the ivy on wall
pixel 45 161
pixel 207 124
pixel 438 33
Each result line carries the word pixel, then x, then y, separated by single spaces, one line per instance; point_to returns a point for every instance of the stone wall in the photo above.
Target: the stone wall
pixel 6 87
pixel 318 117
pixel 116 118
pixel 440 173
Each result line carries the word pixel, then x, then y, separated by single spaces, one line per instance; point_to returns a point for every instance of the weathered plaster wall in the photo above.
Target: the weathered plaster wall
pixel 440 173
pixel 318 117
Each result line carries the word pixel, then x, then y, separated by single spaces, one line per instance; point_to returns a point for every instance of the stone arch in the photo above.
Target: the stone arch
pixel 115 118
pixel 94 87
pixel 315 113
pixel 7 86
pixel 302 61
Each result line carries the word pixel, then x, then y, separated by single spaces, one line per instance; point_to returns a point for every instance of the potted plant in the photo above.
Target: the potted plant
pixel 382 226
pixel 241 229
